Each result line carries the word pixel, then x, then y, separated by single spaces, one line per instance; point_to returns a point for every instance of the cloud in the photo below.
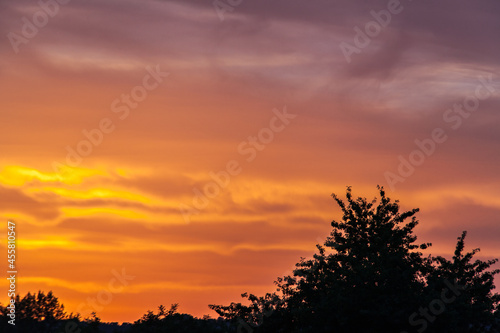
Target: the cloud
pixel 13 200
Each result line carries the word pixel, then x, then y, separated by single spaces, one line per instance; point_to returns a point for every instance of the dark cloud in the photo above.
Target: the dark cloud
pixel 15 200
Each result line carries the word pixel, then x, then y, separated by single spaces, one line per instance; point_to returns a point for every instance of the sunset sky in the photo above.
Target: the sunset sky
pixel 194 145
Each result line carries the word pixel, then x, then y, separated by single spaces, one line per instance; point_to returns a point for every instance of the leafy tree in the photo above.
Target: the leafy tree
pixel 150 318
pixel 462 292
pixel 93 322
pixel 370 276
pixel 246 318
pixel 40 307
pixel 38 312
pixel 172 321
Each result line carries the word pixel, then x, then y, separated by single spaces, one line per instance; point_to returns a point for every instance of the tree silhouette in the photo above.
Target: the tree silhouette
pixel 150 318
pixel 172 321
pixel 41 307
pixel 470 303
pixel 38 312
pixel 370 276
pixel 93 322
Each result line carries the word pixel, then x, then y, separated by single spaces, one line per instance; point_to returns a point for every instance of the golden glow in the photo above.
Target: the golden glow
pixel 19 176
pixel 101 193
pixel 49 242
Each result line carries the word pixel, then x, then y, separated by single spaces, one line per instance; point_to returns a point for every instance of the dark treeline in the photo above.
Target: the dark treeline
pixel 369 276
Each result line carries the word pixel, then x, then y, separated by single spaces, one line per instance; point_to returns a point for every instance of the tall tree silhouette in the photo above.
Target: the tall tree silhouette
pixel 370 276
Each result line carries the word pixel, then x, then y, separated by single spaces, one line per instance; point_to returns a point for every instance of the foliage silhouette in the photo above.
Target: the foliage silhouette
pixel 475 303
pixel 38 312
pixel 369 276
pixel 172 321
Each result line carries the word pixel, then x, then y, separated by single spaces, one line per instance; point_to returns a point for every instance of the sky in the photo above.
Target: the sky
pixel 158 152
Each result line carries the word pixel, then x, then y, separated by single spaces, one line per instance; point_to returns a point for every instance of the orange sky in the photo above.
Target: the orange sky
pixel 215 179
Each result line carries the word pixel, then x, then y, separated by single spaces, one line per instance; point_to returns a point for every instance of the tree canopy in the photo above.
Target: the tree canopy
pixel 371 276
